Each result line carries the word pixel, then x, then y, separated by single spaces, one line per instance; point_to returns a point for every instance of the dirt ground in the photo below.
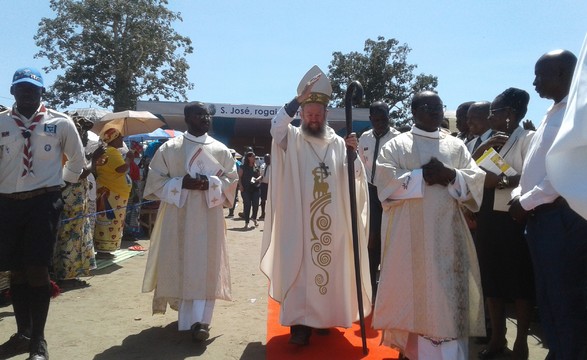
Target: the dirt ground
pixel 111 319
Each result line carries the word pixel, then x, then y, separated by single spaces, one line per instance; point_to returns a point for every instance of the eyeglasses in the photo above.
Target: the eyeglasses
pixel 493 111
pixel 431 108
pixel 204 116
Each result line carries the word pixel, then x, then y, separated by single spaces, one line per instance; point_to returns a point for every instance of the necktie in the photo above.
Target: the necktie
pixel 477 143
pixel 26 132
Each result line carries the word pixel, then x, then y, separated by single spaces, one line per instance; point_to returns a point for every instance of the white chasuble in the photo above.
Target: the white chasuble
pixel 187 255
pixel 430 283
pixel 307 249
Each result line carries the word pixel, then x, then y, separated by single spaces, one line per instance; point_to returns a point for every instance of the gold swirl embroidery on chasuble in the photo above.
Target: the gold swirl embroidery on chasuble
pixel 320 223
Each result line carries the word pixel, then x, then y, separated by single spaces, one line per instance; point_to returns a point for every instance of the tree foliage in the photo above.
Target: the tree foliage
pixel 114 52
pixel 384 73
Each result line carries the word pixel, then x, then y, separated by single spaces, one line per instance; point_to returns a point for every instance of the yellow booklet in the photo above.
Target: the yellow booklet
pixel 492 161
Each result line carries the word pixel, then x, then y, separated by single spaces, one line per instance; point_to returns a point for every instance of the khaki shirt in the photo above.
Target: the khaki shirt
pixel 54 136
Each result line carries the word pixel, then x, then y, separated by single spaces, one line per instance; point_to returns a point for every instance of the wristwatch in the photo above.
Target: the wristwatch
pixel 503 182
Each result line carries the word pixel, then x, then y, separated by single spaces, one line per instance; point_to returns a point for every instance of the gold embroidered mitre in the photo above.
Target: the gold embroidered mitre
pixel 321 91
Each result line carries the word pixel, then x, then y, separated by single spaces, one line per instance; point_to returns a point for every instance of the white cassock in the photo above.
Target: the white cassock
pixel 188 263
pixel 429 288
pixel 307 251
pixel 566 161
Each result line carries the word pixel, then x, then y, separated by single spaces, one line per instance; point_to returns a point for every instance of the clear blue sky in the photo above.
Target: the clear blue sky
pixel 255 52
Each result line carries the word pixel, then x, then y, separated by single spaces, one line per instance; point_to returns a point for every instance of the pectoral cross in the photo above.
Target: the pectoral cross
pixel 324 169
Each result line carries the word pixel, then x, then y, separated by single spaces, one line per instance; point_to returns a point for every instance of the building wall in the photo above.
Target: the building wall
pixel 240 126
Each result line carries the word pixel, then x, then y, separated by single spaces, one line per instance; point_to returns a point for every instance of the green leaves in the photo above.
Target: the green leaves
pixel 114 52
pixel 385 74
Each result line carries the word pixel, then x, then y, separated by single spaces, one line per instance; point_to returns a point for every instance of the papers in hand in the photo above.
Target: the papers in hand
pixel 492 161
pixel 411 186
pixel 202 163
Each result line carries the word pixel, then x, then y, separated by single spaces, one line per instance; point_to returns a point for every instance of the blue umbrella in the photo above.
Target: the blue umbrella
pixel 155 134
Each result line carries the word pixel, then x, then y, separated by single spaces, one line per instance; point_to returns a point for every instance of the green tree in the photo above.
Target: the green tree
pixel 113 52
pixel 385 75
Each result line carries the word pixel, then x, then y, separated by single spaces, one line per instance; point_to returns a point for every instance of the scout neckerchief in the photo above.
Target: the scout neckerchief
pixel 26 132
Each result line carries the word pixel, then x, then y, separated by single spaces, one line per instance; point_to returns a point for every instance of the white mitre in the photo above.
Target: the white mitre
pixel 321 91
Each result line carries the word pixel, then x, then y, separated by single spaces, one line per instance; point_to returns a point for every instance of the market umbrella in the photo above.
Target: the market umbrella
pixel 128 122
pixel 92 114
pixel 170 132
pixel 155 134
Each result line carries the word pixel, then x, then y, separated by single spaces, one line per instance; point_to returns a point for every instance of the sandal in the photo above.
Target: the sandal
pixel 137 248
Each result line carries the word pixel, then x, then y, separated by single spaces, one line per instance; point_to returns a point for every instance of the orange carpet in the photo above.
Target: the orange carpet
pixel 340 344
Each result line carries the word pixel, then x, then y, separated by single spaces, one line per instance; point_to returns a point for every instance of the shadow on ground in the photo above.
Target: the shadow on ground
pixel 254 351
pixel 169 344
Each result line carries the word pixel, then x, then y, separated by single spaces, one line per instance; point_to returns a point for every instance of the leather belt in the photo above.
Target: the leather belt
pixel 559 201
pixel 24 195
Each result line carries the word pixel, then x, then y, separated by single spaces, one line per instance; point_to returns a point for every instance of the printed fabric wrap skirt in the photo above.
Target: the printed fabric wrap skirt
pixel 111 208
pixel 74 249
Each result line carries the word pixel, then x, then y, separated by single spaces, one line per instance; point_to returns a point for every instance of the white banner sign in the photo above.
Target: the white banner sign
pixel 243 111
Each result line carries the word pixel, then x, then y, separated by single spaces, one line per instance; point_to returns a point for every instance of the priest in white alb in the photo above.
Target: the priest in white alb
pixel 193 176
pixel 429 300
pixel 307 242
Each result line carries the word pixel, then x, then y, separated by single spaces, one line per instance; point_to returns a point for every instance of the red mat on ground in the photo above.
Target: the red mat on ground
pixel 339 344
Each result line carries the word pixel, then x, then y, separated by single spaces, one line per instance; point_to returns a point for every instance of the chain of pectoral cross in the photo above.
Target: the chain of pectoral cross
pixel 321 162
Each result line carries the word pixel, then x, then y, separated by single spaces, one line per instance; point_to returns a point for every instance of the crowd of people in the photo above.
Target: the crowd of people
pixel 459 224
pixel 448 227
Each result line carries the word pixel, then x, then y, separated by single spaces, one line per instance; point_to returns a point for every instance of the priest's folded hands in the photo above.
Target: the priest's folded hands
pixel 435 172
pixel 198 183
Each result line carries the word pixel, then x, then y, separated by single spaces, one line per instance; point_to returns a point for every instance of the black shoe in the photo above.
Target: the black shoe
pixel 200 332
pixel 38 350
pixel 323 332
pixel 16 345
pixel 300 335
